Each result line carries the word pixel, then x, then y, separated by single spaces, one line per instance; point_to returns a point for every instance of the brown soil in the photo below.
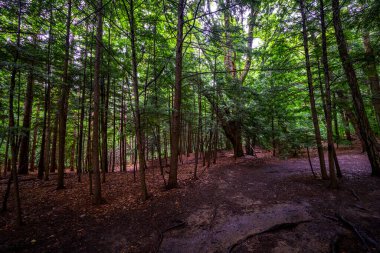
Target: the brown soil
pixel 246 205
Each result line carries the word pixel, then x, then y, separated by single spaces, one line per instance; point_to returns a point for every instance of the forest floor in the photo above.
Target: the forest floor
pixel 250 204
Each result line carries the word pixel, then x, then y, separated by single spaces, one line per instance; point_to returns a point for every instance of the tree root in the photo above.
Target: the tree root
pixel 281 226
pixel 334 243
pixel 364 238
pixel 355 194
pixel 180 224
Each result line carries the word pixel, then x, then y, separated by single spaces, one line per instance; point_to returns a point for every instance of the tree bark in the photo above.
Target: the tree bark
pixel 12 126
pixel 63 105
pixel 81 120
pixel 43 165
pixel 175 117
pixel 138 126
pixel 34 142
pixel 106 91
pixel 364 126
pixel 311 93
pixel 330 138
pixel 25 137
pixel 96 103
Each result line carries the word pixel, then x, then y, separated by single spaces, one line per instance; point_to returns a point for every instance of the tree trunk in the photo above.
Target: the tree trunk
pixel 53 161
pixel 25 137
pixel 105 115
pixel 175 117
pixel 199 135
pixel 63 105
pixel 139 130
pixel 96 103
pixel 81 120
pixel 330 138
pixel 311 93
pixel 12 127
pixel 34 142
pixel 114 130
pixel 43 164
pixel 6 156
pixel 364 126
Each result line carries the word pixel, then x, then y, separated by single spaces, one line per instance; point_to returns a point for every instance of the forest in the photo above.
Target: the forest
pixel 189 126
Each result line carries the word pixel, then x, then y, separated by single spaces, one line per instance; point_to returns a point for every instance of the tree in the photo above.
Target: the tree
pixel 137 114
pixel 12 127
pixel 371 145
pixel 63 104
pixel 176 120
pixel 96 89
pixel 330 140
pixel 311 93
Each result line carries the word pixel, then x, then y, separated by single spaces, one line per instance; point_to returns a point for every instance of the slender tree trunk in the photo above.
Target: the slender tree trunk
pixel 25 137
pixel 12 126
pixel 330 138
pixel 199 129
pixel 335 117
pixel 122 136
pixel 6 158
pixel 114 130
pixel 176 121
pixel 43 164
pixel 311 93
pixel 34 142
pixel 81 120
pixel 138 126
pixel 105 115
pixel 53 161
pixel 364 126
pixel 72 151
pixel 63 105
pixel 96 90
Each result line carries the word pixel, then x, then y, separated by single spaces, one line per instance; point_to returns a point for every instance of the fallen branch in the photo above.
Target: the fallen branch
pixel 281 226
pixel 364 238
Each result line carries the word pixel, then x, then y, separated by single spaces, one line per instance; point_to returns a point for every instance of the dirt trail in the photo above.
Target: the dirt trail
pixel 245 199
pixel 247 205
